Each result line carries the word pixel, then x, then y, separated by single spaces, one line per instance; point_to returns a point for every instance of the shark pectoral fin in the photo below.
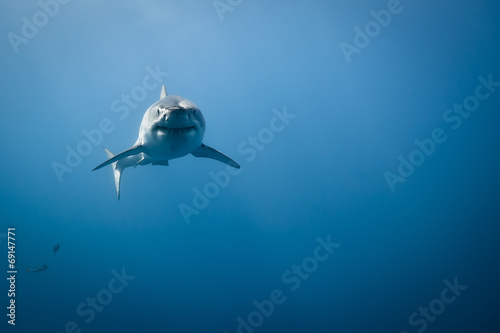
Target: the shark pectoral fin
pixel 206 151
pixel 126 153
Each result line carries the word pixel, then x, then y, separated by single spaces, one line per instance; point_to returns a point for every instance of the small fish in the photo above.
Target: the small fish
pixel 56 247
pixel 38 269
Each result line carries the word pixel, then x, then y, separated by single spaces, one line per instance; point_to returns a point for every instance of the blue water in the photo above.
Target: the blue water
pixel 408 250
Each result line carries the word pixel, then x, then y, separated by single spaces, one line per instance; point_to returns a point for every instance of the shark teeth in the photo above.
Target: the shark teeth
pixel 175 131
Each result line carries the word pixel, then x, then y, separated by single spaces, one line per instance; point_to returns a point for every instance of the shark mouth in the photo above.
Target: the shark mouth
pixel 174 131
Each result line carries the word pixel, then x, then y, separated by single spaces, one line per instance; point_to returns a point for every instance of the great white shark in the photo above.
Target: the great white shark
pixel 171 128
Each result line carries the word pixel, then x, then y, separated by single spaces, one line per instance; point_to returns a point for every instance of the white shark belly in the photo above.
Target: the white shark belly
pixel 169 146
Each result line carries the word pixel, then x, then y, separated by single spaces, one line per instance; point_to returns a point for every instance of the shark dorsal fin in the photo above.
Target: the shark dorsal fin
pixel 163 92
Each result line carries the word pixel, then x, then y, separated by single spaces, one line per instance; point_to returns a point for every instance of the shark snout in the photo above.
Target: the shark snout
pixel 178 118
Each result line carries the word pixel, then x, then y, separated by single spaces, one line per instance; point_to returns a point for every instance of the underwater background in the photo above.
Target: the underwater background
pixel 368 138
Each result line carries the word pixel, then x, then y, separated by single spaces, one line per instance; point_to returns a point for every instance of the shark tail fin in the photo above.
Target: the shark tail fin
pixel 117 172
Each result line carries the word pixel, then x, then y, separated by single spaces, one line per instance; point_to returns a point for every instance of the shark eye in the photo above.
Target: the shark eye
pixel 158 111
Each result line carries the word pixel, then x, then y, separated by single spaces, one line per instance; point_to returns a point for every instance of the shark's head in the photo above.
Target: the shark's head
pixel 174 123
pixel 179 118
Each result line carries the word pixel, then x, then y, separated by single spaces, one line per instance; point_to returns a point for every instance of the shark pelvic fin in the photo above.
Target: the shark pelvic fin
pixel 129 152
pixel 160 163
pixel 139 162
pixel 208 152
pixel 163 92
pixel 117 172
